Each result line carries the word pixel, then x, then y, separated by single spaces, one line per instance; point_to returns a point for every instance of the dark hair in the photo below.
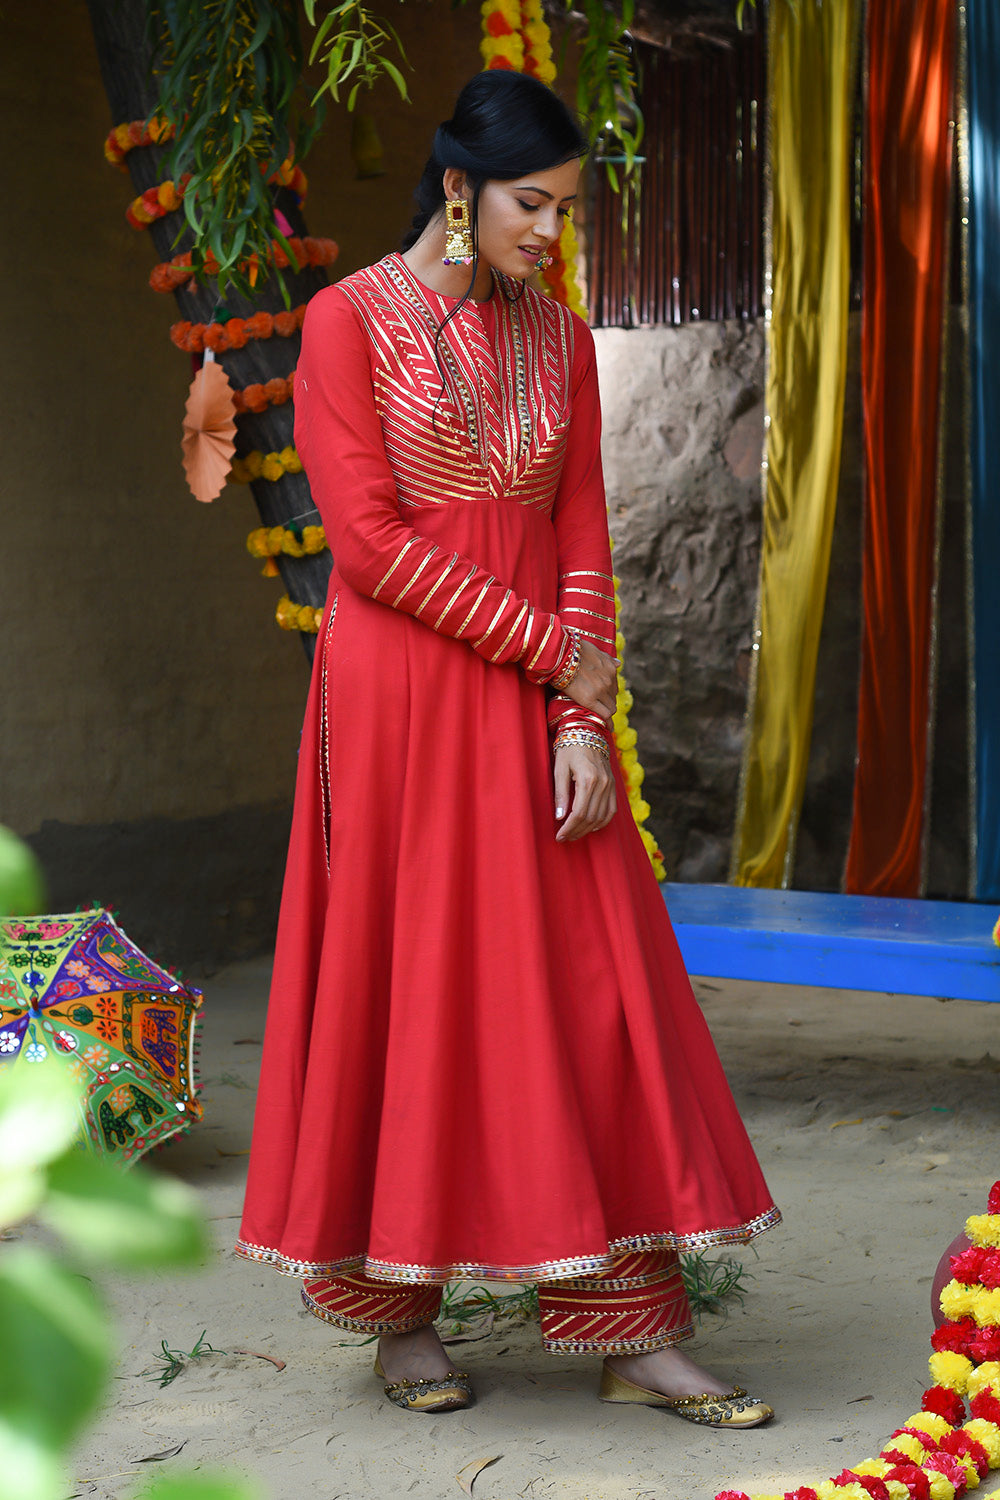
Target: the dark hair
pixel 505 125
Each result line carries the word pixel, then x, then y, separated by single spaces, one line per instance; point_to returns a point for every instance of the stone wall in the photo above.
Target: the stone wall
pixel 683 431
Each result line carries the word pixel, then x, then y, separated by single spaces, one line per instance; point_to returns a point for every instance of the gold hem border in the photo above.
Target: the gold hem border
pixel 360 1325
pixel 624 1346
pixel 554 1270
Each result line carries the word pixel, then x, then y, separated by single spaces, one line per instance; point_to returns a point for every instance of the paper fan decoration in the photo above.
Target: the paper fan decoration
pixel 209 430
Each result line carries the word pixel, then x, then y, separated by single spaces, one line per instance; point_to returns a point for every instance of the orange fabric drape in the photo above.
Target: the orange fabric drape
pixel 911 65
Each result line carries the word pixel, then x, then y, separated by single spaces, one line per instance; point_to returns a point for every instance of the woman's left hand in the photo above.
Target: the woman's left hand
pixel 586 772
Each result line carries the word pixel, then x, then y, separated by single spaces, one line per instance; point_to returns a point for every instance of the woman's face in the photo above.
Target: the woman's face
pixel 519 220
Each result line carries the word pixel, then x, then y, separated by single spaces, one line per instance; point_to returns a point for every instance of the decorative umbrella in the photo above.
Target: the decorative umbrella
pixel 209 430
pixel 76 993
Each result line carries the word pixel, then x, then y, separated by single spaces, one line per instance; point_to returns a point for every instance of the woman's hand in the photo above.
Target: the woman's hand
pixel 594 684
pixel 586 772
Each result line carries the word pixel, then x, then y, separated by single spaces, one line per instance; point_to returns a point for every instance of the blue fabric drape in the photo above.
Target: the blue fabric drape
pixel 983 21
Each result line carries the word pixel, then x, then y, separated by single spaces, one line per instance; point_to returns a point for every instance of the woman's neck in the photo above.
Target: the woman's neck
pixel 425 260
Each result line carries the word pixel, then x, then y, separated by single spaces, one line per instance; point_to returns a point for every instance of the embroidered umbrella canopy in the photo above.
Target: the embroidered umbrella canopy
pixel 76 993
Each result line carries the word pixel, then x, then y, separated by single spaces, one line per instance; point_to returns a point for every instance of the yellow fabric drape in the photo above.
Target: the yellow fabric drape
pixel 812 51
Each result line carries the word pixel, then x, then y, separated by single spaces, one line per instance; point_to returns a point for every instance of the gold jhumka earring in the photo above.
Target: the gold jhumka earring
pixel 458 249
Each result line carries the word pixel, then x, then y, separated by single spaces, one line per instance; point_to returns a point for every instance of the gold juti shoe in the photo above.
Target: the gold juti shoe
pixel 736 1409
pixel 451 1393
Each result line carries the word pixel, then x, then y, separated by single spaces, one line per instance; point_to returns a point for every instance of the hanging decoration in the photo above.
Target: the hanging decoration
pixel 259 397
pixel 270 542
pixel 811 58
pixel 209 431
pixel 301 617
pixel 308 251
pixel 911 69
pixel 937 1454
pixel 156 202
pixel 983 212
pixel 235 333
pixel 258 465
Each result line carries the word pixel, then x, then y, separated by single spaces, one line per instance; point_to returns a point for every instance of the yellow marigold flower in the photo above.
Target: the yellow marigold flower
pixel 642 809
pixel 984 1229
pixel 257 542
pixel 941 1487
pixel 313 539
pixel 876 1467
pixel 987 1433
pixel 986 1375
pixel 958 1300
pixel 951 1370
pixel 911 1446
pixel 271 467
pixel 897 1489
pixel 971 1472
pixel 122 137
pixel 987 1308
pixel 929 1421
pixel 291 460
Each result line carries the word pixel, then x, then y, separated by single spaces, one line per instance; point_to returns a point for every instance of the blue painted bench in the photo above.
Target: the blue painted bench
pixel 942 948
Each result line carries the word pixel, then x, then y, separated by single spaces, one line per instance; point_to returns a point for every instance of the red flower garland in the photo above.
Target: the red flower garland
pixel 124 138
pixel 960 1443
pixel 195 338
pixel 874 1486
pixel 987 1406
pixel 170 274
pixel 944 1403
pixel 954 1338
pixel 914 1478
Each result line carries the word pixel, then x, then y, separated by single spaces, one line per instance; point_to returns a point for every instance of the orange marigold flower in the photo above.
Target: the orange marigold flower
pixel 260 325
pixel 236 330
pixel 500 62
pixel 285 324
pixel 276 391
pixel 497 26
pixel 216 338
pixel 254 398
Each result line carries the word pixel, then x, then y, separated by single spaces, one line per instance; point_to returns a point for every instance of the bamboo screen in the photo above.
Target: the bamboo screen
pixel 692 245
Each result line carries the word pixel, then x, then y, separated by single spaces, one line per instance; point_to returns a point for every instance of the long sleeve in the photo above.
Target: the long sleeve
pixel 586 600
pixel 339 438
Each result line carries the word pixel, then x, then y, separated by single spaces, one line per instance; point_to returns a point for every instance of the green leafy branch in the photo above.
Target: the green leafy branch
pixel 607 86
pixel 230 74
pixel 350 42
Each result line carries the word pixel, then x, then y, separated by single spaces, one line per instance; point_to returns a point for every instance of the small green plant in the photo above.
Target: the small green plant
pixel 462 1306
pixel 711 1280
pixel 176 1360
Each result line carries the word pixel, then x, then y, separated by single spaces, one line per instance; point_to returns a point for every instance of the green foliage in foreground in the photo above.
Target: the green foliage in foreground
pixel 56 1350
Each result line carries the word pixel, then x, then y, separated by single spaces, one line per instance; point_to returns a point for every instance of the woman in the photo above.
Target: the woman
pixel 483 1055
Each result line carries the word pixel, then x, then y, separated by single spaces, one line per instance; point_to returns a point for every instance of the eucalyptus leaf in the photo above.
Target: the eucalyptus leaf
pixel 39 1116
pixel 29 1468
pixel 198 1487
pixel 126 1219
pixel 55 1356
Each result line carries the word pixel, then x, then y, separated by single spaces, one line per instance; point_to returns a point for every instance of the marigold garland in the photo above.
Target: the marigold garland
pixel 156 202
pixel 259 397
pixel 292 616
pixel 628 756
pixel 309 251
pixel 258 465
pixel 502 45
pixel 270 542
pixel 195 338
pixel 935 1455
pixel 124 138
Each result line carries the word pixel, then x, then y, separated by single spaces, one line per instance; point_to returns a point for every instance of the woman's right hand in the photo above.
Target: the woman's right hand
pixel 594 684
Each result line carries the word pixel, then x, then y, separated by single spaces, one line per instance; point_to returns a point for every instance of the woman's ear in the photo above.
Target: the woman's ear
pixel 454 183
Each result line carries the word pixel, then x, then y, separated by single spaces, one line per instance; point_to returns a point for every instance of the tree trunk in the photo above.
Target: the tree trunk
pixel 123 50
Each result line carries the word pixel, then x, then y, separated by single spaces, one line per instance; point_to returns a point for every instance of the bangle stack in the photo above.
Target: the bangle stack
pixel 565 676
pixel 583 737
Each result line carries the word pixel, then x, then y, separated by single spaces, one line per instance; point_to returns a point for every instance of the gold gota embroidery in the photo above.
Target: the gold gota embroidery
pixel 325 773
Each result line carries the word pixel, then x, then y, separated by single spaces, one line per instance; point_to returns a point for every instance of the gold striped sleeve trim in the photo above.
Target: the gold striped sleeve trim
pixel 578 609
pixel 576 588
pixel 510 634
pixel 585 573
pixel 399 558
pixel 455 597
pixel 481 596
pixel 452 561
pixel 493 623
pixel 408 586
pixel 542 644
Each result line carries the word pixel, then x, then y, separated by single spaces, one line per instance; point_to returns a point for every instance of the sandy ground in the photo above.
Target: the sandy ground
pixel 877 1120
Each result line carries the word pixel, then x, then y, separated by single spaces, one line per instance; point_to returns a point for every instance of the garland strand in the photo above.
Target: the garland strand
pixel 124 138
pixel 628 756
pixel 156 202
pixel 258 398
pixel 270 542
pixel 195 338
pixel 310 251
pixel 936 1454
pixel 291 616
pixel 258 465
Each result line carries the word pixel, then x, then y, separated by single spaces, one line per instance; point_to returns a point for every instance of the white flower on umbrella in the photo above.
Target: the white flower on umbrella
pixel 8 1041
pixel 66 1041
pixel 35 1052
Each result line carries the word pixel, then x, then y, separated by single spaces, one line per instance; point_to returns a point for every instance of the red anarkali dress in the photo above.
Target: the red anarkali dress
pixel 483 1055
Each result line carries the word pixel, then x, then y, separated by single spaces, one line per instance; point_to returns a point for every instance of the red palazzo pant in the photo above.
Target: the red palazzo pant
pixel 638 1305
